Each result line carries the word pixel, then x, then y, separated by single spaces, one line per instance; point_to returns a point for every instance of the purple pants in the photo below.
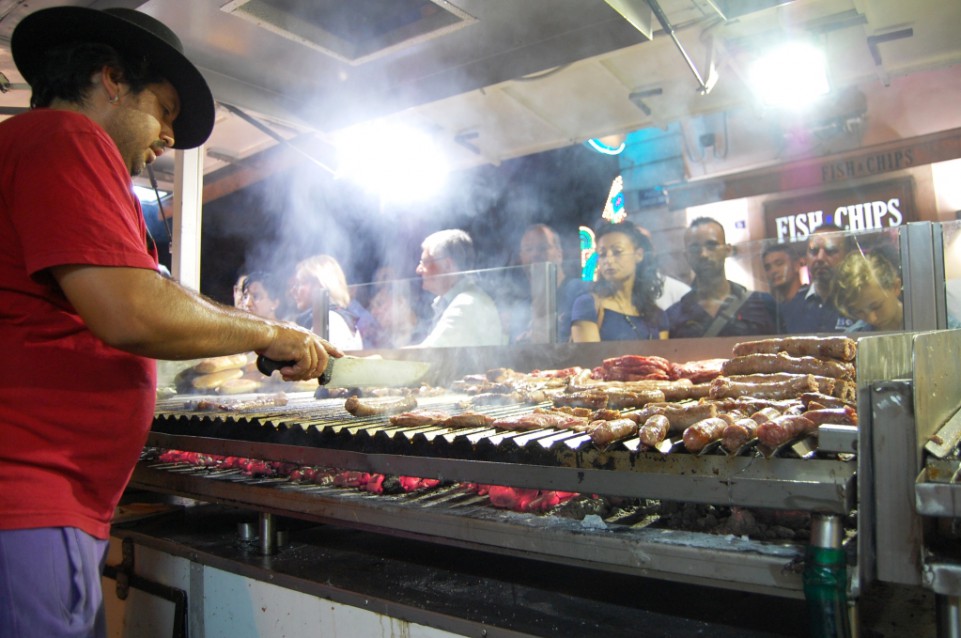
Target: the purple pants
pixel 50 584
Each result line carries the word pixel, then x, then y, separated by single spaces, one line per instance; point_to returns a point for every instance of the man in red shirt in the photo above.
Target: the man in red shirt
pixel 83 307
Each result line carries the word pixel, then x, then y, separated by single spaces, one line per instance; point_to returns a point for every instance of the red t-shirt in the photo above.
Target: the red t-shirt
pixel 74 412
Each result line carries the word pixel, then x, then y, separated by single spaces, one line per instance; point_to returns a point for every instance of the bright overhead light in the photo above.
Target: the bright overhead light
pixel 402 164
pixel 793 76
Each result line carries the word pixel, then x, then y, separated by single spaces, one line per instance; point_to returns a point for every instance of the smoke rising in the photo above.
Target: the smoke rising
pixel 274 223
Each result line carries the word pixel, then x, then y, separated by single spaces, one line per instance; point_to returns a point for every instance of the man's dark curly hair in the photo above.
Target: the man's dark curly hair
pixel 68 68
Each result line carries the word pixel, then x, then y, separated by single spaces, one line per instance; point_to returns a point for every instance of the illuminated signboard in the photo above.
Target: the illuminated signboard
pixel 869 207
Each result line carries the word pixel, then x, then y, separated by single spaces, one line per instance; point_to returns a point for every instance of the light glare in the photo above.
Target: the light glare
pixel 402 164
pixel 792 76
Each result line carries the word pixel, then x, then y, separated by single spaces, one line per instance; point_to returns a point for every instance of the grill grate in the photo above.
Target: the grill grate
pixel 325 423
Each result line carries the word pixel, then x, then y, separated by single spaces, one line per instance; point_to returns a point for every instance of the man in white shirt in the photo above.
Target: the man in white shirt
pixel 464 315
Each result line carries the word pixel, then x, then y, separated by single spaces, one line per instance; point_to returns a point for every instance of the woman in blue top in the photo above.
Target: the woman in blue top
pixel 622 306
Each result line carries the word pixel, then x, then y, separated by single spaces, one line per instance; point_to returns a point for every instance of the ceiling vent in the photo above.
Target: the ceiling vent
pixel 354 32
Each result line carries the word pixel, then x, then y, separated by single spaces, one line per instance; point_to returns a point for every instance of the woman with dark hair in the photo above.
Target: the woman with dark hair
pixel 623 304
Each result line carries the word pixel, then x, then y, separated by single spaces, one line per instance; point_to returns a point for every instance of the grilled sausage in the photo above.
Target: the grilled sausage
pixel 841 348
pixel 356 407
pixel 783 429
pixel 654 430
pixel 841 416
pixel 540 420
pixel 685 415
pixel 594 399
pixel 846 391
pixel 603 433
pixel 234 404
pixel 765 414
pixel 680 392
pixel 723 387
pixel 738 433
pixel 703 432
pixel 619 400
pixel 770 363
pixel 823 400
pixel 825 384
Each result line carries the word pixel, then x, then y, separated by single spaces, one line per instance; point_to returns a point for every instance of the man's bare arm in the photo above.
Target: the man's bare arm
pixel 140 311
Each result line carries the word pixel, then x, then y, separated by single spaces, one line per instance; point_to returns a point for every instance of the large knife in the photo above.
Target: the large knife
pixel 356 372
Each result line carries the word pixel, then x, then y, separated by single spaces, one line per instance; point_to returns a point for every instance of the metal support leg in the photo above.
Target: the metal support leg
pixel 267 534
pixel 948 609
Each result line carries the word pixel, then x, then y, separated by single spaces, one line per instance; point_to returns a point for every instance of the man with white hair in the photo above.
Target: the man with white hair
pixel 464 315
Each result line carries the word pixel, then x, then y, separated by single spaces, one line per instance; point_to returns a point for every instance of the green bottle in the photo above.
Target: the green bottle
pixel 825 580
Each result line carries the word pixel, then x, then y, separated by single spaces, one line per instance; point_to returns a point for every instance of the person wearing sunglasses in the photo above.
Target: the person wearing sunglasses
pixel 812 309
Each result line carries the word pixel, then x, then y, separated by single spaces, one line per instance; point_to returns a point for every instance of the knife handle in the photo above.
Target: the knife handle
pixel 268 366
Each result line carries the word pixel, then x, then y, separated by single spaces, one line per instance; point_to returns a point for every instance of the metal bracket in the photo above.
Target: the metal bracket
pixel 125 577
pixel 125 569
pixel 704 87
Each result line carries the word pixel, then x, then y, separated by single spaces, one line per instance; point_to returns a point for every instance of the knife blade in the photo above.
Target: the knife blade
pixel 355 372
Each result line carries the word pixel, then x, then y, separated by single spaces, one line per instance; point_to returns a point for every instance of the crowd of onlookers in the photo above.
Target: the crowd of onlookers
pixel 829 283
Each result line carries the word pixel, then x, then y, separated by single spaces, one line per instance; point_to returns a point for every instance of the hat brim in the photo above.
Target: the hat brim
pixel 43 29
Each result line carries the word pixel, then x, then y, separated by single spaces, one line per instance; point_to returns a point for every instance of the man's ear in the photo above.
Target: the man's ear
pixel 449 266
pixel 110 79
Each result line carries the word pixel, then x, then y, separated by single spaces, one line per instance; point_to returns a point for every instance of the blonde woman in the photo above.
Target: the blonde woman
pixel 323 272
pixel 623 305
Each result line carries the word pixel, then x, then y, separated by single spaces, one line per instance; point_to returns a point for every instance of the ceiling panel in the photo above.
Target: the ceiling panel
pixel 534 75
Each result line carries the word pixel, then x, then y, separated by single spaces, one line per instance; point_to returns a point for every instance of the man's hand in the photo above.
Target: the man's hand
pixel 308 352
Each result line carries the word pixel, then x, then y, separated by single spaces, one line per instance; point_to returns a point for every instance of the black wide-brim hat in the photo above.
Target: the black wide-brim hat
pixel 131 32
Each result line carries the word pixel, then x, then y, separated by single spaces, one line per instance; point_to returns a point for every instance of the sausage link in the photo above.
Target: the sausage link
pixel 654 430
pixel 738 433
pixel 703 432
pixel 842 348
pixel 783 429
pixel 841 416
pixel 355 406
pixel 603 433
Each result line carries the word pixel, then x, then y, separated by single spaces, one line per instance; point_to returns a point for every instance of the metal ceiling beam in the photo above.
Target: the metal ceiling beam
pixel 703 87
pixel 266 130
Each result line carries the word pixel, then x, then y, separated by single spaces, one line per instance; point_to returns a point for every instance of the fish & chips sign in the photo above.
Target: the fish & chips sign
pixel 871 207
